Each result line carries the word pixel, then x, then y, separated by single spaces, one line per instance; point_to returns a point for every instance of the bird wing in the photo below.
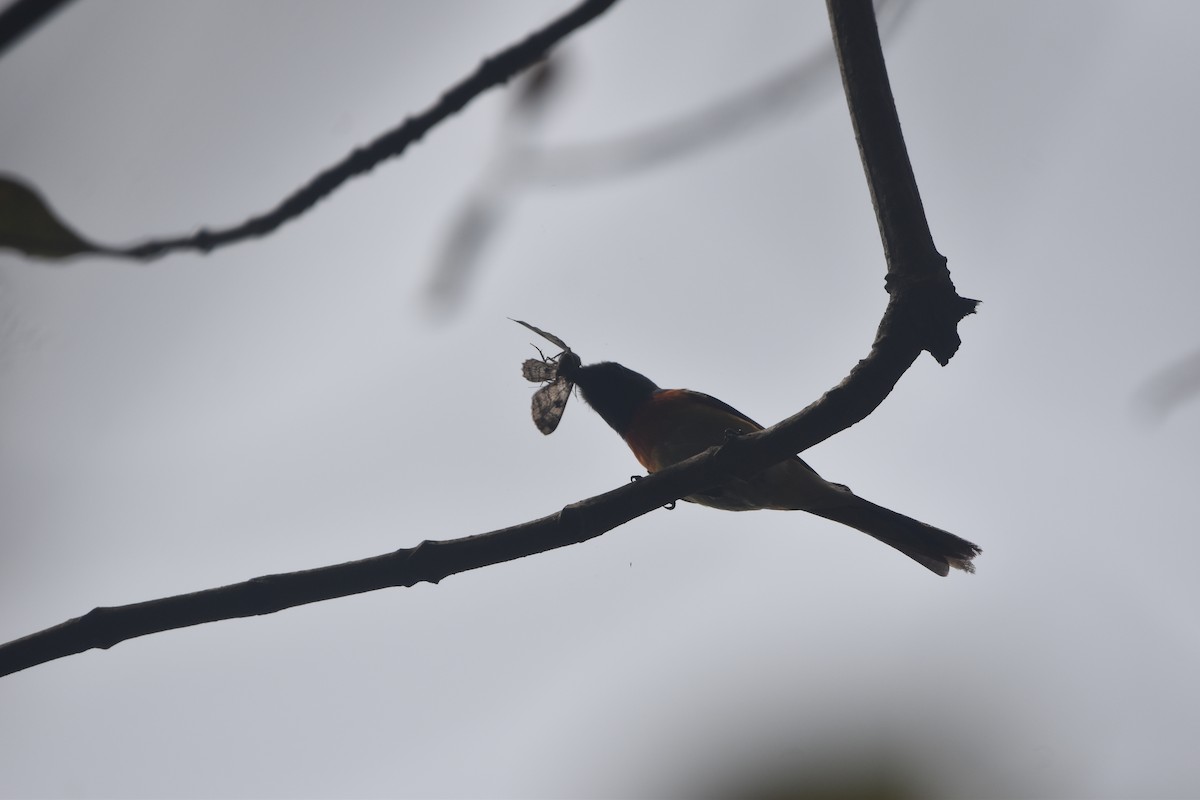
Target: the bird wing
pixel 676 424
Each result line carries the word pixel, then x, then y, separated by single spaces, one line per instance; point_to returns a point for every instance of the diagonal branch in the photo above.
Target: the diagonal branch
pixel 430 561
pixel 494 71
pixel 922 314
pixel 22 16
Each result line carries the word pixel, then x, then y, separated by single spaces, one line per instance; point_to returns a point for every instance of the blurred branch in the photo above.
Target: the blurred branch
pixel 716 123
pixel 492 72
pixel 517 166
pixel 1170 388
pixel 22 16
pixel 921 315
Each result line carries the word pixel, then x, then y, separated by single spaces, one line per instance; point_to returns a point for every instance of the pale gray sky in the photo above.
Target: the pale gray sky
pixel 289 403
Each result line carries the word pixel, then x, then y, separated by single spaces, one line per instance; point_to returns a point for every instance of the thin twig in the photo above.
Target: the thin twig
pixel 494 71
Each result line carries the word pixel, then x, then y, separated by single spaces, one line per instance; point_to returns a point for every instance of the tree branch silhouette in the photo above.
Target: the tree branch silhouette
pixel 922 315
pixel 494 71
pixel 22 16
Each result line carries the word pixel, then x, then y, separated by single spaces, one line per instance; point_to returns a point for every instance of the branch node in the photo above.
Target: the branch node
pixel 573 518
pixel 93 622
pixel 205 241
pixel 417 565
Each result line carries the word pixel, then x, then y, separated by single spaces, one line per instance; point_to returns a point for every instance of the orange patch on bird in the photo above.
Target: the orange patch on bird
pixel 676 424
pixel 645 429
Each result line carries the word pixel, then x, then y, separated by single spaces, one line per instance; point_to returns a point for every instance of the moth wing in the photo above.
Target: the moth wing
pixel 549 402
pixel 548 336
pixel 536 370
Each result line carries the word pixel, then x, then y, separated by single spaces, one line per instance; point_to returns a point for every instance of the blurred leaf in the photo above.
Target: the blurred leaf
pixel 468 236
pixel 29 226
pixel 854 772
pixel 539 85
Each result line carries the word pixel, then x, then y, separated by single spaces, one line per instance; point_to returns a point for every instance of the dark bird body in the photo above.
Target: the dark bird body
pixel 665 426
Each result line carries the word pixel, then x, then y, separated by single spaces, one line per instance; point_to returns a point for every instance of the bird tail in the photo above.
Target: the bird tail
pixel 933 548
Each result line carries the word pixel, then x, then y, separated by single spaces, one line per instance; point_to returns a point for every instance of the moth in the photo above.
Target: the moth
pixel 550 401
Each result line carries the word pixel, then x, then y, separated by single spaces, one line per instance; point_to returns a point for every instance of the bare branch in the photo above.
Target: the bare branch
pixel 430 561
pixel 917 276
pixel 22 16
pixel 492 72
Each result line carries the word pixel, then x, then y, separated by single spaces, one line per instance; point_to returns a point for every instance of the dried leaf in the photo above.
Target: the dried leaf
pixel 29 226
pixel 539 85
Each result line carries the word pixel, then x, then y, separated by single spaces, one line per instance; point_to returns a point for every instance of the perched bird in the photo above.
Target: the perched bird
pixel 665 426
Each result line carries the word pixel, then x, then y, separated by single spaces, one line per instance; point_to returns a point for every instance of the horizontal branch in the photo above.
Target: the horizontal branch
pixel 430 562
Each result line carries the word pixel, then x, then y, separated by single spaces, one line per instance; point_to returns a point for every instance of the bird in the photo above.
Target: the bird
pixel 665 426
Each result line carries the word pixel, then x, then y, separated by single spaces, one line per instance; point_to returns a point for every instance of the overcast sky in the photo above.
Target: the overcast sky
pixel 296 401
